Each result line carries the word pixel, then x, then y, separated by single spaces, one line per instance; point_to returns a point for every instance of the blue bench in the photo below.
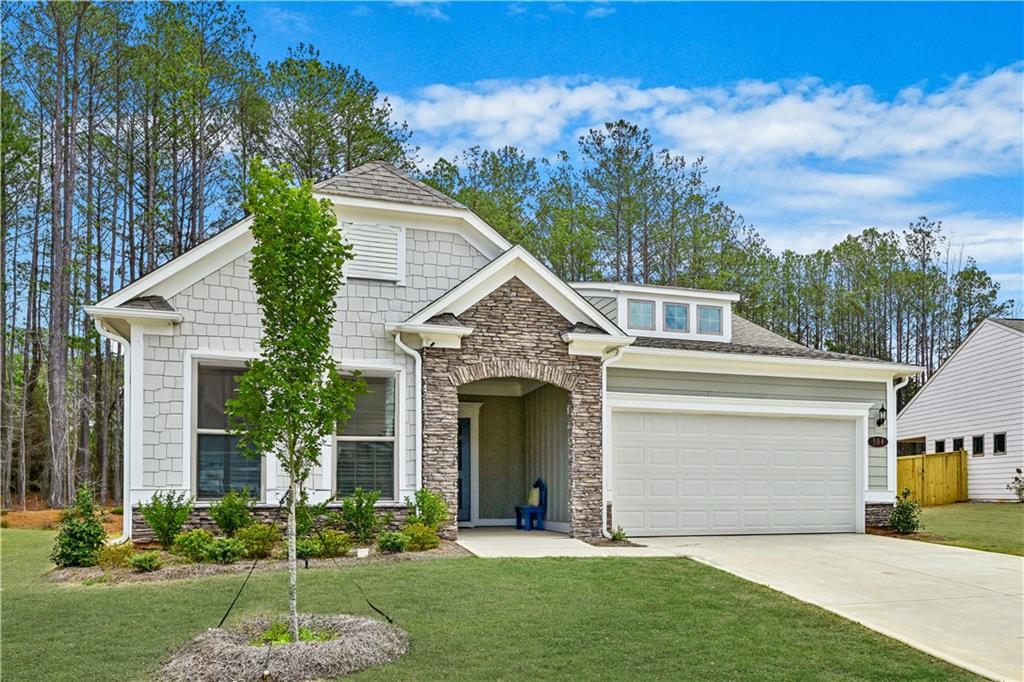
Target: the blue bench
pixel 531 517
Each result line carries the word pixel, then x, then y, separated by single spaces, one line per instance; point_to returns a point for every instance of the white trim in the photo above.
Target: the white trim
pixel 126 449
pixel 595 345
pixel 879 497
pixel 132 314
pixel 418 407
pixel 471 411
pixel 678 292
pixel 439 335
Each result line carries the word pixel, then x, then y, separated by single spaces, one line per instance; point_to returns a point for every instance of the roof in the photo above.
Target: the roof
pixel 654 289
pixel 148 303
pixel 1014 323
pixel 382 181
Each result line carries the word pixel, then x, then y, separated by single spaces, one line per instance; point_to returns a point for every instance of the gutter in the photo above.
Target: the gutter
pixel 126 501
pixel 606 433
pixel 418 360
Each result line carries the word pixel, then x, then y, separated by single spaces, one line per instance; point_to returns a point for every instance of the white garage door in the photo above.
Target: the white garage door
pixel 715 474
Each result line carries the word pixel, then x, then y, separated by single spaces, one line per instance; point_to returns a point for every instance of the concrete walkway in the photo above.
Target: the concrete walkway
pixel 503 542
pixel 961 605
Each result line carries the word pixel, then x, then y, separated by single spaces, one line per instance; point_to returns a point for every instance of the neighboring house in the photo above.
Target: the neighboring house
pixel 654 408
pixel 975 402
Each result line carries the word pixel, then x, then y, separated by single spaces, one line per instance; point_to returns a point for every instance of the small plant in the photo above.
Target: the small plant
pixel 112 557
pixel 421 537
pixel 232 512
pixel 307 515
pixel 360 517
pixel 906 514
pixel 225 551
pixel 192 544
pixel 117 511
pixel 81 533
pixel 619 534
pixel 333 543
pixel 166 514
pixel 146 562
pixel 392 542
pixel 1016 486
pixel 279 633
pixel 259 539
pixel 427 508
pixel 308 548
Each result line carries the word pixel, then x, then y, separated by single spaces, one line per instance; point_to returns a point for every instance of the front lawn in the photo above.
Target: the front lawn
pixel 989 526
pixel 468 618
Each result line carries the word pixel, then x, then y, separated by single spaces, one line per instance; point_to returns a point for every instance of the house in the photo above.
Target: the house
pixel 654 408
pixel 974 402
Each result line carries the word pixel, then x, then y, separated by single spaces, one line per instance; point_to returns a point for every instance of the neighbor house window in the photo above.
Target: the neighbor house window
pixel 641 314
pixel 220 464
pixel 978 445
pixel 709 319
pixel 958 444
pixel 366 443
pixel 677 317
pixel 999 444
pixel 940 446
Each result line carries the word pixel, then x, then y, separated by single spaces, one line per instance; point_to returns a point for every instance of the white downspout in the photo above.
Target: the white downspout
pixel 606 426
pixel 417 379
pixel 126 502
pixel 891 434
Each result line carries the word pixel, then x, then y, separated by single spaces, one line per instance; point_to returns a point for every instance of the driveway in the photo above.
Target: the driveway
pixel 961 605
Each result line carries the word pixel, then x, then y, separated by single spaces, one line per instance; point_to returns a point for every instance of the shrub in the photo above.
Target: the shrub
pixel 427 508
pixel 145 562
pixel 232 512
pixel 421 537
pixel 81 533
pixel 192 544
pixel 392 542
pixel 279 632
pixel 1016 486
pixel 110 557
pixel 259 539
pixel 306 515
pixel 333 543
pixel 118 510
pixel 360 517
pixel 906 514
pixel 225 551
pixel 166 513
pixel 619 534
pixel 307 548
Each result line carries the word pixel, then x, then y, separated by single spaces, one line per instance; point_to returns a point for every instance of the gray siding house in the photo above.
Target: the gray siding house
pixel 653 408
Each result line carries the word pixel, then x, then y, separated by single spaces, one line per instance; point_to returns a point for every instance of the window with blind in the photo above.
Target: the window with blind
pixel 365 452
pixel 220 464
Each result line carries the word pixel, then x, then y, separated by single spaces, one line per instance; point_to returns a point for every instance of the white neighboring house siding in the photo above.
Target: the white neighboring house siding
pixel 221 319
pixel 979 391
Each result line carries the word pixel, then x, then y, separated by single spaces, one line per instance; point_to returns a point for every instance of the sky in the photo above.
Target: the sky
pixel 817 120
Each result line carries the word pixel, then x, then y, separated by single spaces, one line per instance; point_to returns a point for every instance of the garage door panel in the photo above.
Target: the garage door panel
pixel 683 473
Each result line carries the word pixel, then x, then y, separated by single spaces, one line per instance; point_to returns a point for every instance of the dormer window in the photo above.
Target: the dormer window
pixel 641 314
pixel 677 317
pixel 709 319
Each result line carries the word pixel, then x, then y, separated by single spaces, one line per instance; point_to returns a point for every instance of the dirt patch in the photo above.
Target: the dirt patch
pixel 229 654
pixel 608 542
pixel 176 569
pixel 48 519
pixel 919 535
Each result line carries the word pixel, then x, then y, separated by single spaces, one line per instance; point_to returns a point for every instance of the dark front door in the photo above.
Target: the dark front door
pixel 464 509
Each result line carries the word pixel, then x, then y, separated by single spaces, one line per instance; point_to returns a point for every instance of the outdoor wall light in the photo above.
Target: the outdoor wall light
pixel 881 416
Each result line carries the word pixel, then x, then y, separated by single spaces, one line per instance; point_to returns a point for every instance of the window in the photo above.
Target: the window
pixel 220 464
pixel 677 317
pixel 366 443
pixel 978 445
pixel 709 319
pixel 958 444
pixel 641 314
pixel 999 444
pixel 940 446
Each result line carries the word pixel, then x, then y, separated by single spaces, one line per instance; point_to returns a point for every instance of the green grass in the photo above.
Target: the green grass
pixel 987 526
pixel 469 619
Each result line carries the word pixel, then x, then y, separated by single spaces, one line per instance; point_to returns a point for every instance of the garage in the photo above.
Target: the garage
pixel 676 472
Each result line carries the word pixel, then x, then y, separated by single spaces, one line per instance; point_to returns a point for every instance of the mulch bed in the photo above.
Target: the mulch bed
pixel 185 571
pixel 48 519
pixel 229 654
pixel 919 535
pixel 608 542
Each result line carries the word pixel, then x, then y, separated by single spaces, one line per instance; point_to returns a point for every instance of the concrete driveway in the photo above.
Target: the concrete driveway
pixel 961 605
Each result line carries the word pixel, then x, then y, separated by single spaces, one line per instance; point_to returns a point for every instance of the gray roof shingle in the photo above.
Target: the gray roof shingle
pixel 382 181
pixel 1011 322
pixel 148 303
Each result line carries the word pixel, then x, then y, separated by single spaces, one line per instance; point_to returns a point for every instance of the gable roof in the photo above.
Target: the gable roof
pixel 1013 323
pixel 382 181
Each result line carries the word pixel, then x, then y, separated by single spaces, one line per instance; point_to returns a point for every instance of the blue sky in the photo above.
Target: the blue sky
pixel 816 119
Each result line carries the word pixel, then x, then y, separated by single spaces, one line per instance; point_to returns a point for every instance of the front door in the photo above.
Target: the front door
pixel 464 474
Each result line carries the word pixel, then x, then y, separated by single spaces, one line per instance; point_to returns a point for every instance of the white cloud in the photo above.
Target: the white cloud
pixel 429 10
pixel 287 22
pixel 599 12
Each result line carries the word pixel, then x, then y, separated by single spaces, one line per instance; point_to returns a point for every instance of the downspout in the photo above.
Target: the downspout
pixel 418 361
pixel 606 433
pixel 126 502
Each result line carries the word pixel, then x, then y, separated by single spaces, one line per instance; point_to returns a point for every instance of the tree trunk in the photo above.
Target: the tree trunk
pixel 293 602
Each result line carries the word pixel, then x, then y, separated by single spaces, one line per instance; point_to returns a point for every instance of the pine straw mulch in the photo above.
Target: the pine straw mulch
pixel 180 570
pixel 229 654
pixel 48 519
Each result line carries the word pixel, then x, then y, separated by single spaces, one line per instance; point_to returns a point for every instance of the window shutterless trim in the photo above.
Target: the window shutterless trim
pixel 721 320
pixel 975 450
pixel 664 317
pixel 392 497
pixel 654 314
pixel 995 449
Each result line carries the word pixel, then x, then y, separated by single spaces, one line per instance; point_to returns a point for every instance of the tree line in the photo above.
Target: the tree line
pixel 127 134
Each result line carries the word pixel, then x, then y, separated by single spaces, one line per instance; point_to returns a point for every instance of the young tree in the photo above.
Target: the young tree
pixel 289 399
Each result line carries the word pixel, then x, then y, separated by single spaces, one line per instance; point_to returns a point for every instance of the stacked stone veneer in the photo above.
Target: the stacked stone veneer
pixel 877 515
pixel 516 334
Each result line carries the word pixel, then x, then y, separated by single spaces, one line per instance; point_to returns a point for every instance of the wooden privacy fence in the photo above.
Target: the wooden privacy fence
pixel 935 479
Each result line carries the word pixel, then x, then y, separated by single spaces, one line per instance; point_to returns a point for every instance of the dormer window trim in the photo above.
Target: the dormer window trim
pixel 665 305
pixel 654 313
pixel 721 320
pixel 662 301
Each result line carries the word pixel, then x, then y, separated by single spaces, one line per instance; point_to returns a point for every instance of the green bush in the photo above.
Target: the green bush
pixel 145 562
pixel 110 557
pixel 421 537
pixel 1016 486
pixel 166 513
pixel 307 548
pixel 232 512
pixel 392 542
pixel 225 551
pixel 81 533
pixel 259 539
pixel 118 510
pixel 306 515
pixel 192 544
pixel 280 632
pixel 333 543
pixel 906 514
pixel 427 508
pixel 359 515
pixel 619 534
